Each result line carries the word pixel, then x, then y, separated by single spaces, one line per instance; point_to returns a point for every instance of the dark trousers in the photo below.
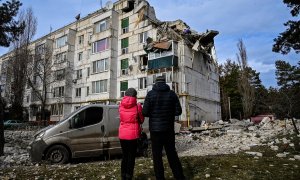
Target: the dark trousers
pixel 128 159
pixel 166 140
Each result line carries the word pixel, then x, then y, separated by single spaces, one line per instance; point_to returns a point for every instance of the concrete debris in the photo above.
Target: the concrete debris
pixel 274 148
pixel 252 128
pixel 15 148
pixel 281 155
pixel 255 154
pixel 233 137
pixel 177 127
pixel 234 132
pixel 297 157
pixel 214 139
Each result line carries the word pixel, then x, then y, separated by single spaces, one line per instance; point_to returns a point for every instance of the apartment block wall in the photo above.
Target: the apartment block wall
pixel 194 80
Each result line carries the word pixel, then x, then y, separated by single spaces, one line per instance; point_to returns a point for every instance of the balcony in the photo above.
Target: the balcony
pixel 162 55
pixel 163 62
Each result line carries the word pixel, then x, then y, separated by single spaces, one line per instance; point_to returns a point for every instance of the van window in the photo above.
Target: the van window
pixel 93 115
pixel 89 116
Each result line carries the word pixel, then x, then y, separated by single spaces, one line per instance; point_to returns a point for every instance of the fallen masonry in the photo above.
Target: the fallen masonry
pixel 227 138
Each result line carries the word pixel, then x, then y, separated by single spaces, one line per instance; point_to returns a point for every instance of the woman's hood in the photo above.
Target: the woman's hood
pixel 128 102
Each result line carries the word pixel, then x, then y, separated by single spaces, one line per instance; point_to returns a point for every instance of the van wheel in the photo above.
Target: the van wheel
pixel 57 154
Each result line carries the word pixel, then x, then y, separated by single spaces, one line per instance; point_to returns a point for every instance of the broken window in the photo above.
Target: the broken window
pixel 125 25
pixel 124 66
pixel 143 62
pixel 124 45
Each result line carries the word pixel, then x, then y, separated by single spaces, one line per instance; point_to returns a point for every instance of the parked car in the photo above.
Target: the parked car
pixel 89 131
pixel 13 124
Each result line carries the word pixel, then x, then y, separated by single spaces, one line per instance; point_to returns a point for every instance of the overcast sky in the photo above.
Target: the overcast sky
pixel 256 22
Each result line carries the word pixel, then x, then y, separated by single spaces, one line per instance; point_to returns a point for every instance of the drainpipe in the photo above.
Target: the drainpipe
pixel 187 103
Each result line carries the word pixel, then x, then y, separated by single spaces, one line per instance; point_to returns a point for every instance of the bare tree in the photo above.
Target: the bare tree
pixel 39 77
pixel 244 85
pixel 17 68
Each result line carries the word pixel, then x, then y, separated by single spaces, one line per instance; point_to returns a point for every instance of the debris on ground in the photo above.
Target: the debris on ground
pixel 209 139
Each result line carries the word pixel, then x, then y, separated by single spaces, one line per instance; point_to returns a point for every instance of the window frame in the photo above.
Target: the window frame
pixel 125 25
pixel 142 83
pixel 61 41
pixel 79 74
pixel 94 47
pixel 124 45
pixel 124 71
pixel 59 91
pixel 122 90
pixel 80 56
pixel 57 109
pixel 77 92
pixel 100 89
pixel 97 66
pixel 81 39
pixel 59 74
pixel 143 37
pixel 98 24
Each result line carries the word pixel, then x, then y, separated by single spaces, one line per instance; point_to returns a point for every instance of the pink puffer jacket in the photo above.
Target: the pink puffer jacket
pixel 129 126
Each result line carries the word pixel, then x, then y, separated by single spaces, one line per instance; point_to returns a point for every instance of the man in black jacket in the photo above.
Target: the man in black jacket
pixel 161 106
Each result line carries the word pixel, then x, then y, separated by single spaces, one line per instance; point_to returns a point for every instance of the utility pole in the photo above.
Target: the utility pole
pixel 229 108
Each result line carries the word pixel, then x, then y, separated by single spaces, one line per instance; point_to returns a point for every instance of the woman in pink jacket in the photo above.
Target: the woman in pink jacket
pixel 129 131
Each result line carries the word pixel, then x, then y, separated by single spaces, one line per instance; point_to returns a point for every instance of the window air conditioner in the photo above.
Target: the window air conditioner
pixel 122 93
pixel 124 71
pixel 124 50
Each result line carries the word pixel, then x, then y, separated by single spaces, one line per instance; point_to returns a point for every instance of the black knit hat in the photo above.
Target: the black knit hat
pixel 131 92
pixel 160 79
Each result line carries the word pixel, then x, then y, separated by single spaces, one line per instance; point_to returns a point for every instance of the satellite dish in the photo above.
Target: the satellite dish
pixel 109 5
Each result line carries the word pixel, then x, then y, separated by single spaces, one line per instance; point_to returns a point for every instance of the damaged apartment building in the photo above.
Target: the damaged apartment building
pixel 98 57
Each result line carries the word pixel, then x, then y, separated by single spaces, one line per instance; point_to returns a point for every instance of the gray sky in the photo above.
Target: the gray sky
pixel 256 22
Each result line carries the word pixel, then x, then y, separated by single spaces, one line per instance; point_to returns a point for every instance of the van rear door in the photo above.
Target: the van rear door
pixel 86 137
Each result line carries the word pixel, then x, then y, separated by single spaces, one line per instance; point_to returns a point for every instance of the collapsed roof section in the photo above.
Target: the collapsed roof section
pixel 179 30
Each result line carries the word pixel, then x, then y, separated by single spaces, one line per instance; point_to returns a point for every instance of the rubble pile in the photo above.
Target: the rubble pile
pixel 233 137
pixel 15 149
pixel 210 139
